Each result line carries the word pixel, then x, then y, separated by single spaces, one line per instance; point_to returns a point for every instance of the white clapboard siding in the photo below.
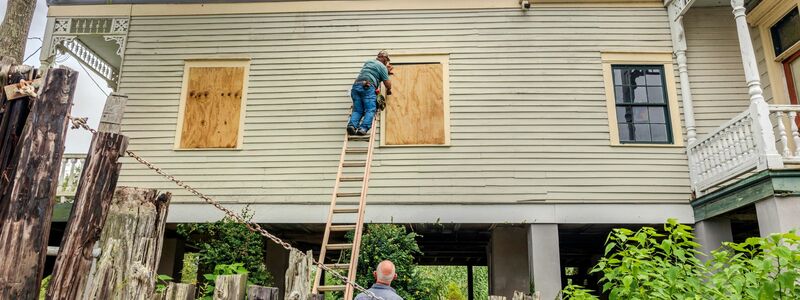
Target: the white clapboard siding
pixel 527 106
pixel 715 67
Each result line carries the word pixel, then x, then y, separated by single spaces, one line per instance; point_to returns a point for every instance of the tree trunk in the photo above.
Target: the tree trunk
pixel 255 292
pixel 14 29
pixel 176 291
pixel 130 245
pixel 298 276
pixel 25 224
pixel 15 114
pixel 88 216
pixel 230 287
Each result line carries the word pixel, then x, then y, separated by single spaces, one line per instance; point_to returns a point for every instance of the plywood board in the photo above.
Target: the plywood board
pixel 415 111
pixel 213 107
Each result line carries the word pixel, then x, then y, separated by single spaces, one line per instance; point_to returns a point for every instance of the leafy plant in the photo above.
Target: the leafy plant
pixel 189 269
pixel 43 287
pixel 161 282
pixel 207 289
pixel 453 292
pixel 226 242
pixel 648 264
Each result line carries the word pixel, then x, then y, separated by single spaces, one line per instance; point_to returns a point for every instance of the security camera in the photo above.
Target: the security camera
pixel 525 4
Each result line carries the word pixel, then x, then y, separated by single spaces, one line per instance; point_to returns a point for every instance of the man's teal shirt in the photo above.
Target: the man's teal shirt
pixel 373 71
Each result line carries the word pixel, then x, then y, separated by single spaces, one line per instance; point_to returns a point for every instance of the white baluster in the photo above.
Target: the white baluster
pixel 782 133
pixel 795 133
pixel 737 141
pixel 727 149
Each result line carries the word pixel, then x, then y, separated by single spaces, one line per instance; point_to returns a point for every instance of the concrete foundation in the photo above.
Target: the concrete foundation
pixel 277 260
pixel 171 258
pixel 778 214
pixel 711 233
pixel 508 261
pixel 544 259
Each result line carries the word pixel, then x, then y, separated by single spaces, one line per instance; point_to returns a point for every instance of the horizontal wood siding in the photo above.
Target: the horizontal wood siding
pixel 527 106
pixel 719 88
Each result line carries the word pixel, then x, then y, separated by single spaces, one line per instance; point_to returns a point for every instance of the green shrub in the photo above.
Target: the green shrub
pixel 648 264
pixel 226 242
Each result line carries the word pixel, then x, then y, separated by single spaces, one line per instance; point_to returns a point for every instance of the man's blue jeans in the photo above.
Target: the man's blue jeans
pixel 364 105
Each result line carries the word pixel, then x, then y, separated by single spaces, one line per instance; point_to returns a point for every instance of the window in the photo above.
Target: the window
pixel 786 32
pixel 417 112
pixel 641 99
pixel 212 104
pixel 641 104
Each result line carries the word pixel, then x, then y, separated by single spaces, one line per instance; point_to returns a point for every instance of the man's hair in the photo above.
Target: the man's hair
pixel 384 277
pixel 384 53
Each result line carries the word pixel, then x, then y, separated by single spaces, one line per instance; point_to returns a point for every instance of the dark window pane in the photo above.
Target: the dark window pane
pixel 626 76
pixel 638 77
pixel 653 77
pixel 642 132
pixel 659 133
pixel 786 32
pixel 655 94
pixel 624 132
pixel 622 115
pixel 657 115
pixel 619 95
pixel 640 114
pixel 639 94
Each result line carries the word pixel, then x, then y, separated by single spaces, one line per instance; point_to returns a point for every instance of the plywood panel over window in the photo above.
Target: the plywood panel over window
pixel 416 113
pixel 212 104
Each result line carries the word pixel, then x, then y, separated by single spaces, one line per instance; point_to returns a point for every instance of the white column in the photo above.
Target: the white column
pixel 711 233
pixel 679 49
pixel 508 261
pixel 759 109
pixel 544 259
pixel 778 214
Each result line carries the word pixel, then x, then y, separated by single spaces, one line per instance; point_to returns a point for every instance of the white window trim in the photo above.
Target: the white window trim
pixel 217 62
pixel 664 59
pixel 444 60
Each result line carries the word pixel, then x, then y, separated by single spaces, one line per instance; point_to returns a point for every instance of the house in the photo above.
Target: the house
pixel 532 132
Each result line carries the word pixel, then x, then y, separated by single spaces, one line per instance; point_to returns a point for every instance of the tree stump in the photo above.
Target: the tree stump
pixel 25 218
pixel 255 292
pixel 497 297
pixel 521 296
pixel 130 245
pixel 230 287
pixel 176 291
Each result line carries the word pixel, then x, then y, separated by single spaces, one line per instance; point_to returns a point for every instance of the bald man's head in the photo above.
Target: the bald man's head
pixel 385 273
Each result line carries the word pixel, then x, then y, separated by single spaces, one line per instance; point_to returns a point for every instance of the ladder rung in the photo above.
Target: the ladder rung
pixel 356 194
pixel 354 164
pixel 330 288
pixel 339 246
pixel 358 137
pixel 357 150
pixel 338 266
pixel 345 210
pixel 343 227
pixel 352 178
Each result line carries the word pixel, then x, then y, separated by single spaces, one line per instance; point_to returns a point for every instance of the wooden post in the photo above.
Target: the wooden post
pixel 497 297
pixel 298 276
pixel 88 216
pixel 230 287
pixel 521 296
pixel 176 291
pixel 25 224
pixel 317 297
pixel 15 114
pixel 130 245
pixel 255 292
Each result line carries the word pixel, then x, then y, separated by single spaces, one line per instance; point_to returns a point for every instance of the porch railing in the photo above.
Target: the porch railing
pixel 71 168
pixel 763 137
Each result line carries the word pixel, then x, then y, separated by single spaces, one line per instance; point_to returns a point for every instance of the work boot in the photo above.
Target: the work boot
pixel 361 132
pixel 351 130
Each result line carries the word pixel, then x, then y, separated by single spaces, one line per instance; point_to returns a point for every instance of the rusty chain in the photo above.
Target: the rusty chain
pixel 254 227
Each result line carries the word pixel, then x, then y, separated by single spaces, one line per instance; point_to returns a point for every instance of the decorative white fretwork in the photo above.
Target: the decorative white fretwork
pixel 61 25
pixel 60 41
pixel 681 6
pixel 87 57
pixel 119 26
pixel 120 40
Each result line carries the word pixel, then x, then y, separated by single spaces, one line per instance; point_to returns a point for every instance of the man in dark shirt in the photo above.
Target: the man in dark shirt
pixel 369 79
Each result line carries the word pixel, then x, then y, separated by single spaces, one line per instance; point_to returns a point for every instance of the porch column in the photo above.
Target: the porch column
pixel 711 233
pixel 679 49
pixel 778 214
pixel 277 261
pixel 759 109
pixel 508 261
pixel 544 259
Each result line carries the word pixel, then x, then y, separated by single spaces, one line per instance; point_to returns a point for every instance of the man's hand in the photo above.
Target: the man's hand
pixel 388 92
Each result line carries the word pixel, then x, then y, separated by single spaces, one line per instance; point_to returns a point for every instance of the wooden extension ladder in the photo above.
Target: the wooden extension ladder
pixel 356 155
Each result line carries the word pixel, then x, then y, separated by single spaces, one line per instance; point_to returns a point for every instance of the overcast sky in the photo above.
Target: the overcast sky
pixel 89 99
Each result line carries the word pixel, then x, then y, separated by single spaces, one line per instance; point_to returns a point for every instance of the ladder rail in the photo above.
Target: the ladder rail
pixel 326 236
pixel 361 209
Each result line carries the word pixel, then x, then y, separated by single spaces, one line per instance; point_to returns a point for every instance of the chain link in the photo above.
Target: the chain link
pixel 254 227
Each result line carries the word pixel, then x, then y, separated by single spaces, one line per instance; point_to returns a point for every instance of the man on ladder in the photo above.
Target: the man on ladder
pixel 363 93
